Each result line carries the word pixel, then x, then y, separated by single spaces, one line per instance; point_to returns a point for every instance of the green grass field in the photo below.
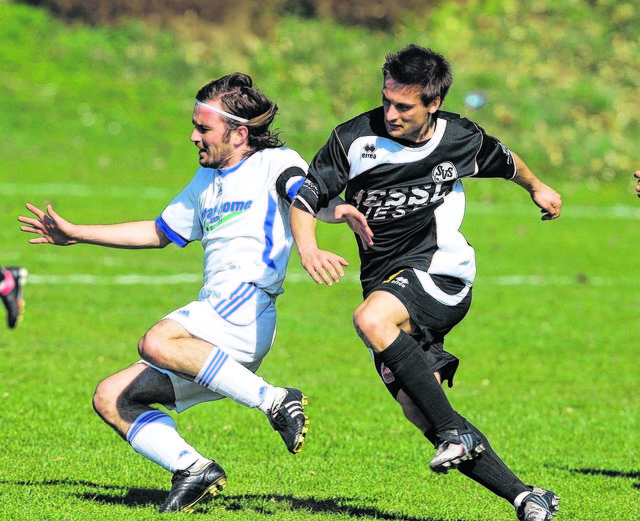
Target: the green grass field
pixel 549 367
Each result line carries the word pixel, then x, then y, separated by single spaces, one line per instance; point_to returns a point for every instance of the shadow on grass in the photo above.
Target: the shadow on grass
pixel 611 474
pixel 111 494
pixel 269 505
pixel 265 504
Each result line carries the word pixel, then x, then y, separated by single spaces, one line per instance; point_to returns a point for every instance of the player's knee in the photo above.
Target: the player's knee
pixel 150 348
pixel 105 398
pixel 367 324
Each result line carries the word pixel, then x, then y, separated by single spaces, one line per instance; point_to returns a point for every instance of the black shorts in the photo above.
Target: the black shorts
pixel 435 304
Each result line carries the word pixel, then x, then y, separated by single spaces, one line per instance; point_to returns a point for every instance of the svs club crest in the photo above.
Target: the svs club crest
pixel 444 172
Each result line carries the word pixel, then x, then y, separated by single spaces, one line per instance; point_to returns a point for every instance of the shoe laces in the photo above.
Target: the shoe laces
pixel 278 419
pixel 178 474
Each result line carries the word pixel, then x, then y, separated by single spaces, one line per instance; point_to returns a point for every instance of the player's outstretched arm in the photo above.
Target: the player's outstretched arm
pixel 545 197
pixel 340 211
pixel 321 265
pixel 637 176
pixel 51 228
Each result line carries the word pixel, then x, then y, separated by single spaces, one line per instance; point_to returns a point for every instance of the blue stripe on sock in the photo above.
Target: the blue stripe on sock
pixel 205 378
pixel 213 368
pixel 145 419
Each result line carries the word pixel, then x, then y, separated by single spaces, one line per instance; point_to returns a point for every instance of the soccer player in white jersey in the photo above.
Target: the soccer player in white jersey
pixel 401 165
pixel 237 207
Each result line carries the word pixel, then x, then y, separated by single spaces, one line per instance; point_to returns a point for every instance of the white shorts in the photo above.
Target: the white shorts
pixel 242 323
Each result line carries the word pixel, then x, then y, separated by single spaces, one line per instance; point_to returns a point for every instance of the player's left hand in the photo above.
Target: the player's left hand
pixel 356 221
pixel 549 202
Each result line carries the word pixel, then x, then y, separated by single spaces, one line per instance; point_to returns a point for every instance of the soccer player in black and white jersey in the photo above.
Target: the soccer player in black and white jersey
pixel 400 166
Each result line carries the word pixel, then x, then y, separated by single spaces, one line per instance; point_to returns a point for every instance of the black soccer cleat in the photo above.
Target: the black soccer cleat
pixel 289 419
pixel 14 300
pixel 539 505
pixel 454 447
pixel 189 488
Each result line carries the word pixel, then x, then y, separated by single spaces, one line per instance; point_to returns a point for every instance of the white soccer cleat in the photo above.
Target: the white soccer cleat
pixel 454 447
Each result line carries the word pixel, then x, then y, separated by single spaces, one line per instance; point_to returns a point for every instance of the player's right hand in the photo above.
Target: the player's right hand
pixel 50 227
pixel 323 266
pixel 356 221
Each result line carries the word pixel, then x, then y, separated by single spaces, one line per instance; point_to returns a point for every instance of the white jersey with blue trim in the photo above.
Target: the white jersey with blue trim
pixel 240 218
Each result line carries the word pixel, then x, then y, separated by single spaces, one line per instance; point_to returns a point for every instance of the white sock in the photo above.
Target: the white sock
pixel 222 374
pixel 154 435
pixel 518 501
pixel 273 397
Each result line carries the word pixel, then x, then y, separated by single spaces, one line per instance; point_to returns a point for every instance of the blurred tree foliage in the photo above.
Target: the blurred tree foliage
pixel 256 15
pixel 561 77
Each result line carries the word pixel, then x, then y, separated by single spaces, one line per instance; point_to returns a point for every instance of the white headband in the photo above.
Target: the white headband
pixel 222 112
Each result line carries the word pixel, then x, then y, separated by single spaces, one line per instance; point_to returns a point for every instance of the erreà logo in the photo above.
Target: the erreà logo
pixel 444 172
pixel 369 151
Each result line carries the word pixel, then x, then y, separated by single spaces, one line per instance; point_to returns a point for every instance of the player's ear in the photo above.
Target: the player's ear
pixel 434 105
pixel 242 135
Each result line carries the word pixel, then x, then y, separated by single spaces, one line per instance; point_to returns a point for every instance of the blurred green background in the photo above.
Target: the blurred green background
pixel 562 78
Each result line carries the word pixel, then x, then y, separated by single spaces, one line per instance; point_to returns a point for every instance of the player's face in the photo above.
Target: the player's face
pixel 405 116
pixel 211 137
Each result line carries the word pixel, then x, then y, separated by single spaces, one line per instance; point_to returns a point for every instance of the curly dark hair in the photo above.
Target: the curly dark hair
pixel 239 97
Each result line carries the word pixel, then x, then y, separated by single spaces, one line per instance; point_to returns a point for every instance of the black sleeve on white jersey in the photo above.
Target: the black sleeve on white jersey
pixel 289 182
pixel 328 175
pixel 495 159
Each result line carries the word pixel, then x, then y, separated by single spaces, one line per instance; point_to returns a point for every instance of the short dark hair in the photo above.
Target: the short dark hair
pixel 415 65
pixel 239 97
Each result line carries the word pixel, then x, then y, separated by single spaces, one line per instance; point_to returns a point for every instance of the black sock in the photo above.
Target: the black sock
pixel 491 472
pixel 488 469
pixel 405 358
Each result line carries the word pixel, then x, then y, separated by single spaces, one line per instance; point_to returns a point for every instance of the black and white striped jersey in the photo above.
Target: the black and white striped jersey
pixel 410 193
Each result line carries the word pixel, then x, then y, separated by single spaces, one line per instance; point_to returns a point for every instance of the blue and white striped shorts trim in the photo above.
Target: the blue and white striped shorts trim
pixel 228 306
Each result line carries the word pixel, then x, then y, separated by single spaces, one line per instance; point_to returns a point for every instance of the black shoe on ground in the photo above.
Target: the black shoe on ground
pixel 454 447
pixel 14 301
pixel 539 505
pixel 289 419
pixel 189 488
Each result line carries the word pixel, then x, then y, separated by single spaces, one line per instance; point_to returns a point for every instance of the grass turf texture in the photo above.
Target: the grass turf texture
pixel 548 370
